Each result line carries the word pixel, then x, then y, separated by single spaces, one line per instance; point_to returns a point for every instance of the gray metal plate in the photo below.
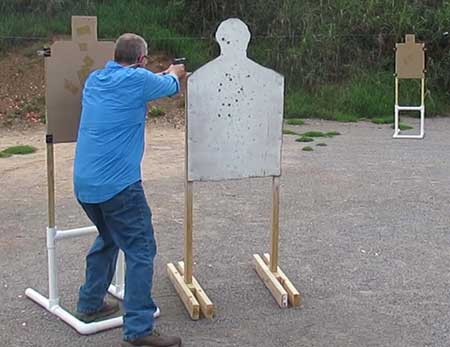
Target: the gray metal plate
pixel 234 113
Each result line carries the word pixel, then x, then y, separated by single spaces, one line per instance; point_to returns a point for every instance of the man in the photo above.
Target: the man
pixel 107 183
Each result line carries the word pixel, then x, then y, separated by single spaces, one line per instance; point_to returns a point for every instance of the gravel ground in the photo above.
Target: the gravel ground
pixel 364 238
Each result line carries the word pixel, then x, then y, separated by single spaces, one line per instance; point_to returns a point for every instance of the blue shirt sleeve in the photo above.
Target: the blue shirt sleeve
pixel 158 86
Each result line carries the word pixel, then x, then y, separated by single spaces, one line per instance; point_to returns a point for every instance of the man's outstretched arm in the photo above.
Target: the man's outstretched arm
pixel 164 84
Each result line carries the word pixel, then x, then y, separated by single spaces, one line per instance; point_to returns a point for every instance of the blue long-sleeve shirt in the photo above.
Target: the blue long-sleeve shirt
pixel 111 136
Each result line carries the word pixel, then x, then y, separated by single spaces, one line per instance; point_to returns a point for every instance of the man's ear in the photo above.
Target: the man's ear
pixel 141 60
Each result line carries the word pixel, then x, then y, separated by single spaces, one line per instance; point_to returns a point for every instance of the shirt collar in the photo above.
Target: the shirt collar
pixel 111 64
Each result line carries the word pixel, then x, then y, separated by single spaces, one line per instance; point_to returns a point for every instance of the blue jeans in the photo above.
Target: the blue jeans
pixel 124 222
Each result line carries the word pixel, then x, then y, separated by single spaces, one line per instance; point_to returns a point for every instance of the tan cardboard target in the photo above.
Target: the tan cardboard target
pixel 410 59
pixel 66 69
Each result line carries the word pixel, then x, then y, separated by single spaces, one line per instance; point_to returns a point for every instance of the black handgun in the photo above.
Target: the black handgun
pixel 178 61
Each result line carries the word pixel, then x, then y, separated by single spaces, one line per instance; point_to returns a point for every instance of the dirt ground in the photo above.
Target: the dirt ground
pixel 364 237
pixel 22 98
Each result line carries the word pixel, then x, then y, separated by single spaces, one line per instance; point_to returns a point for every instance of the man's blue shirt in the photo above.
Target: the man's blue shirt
pixel 111 136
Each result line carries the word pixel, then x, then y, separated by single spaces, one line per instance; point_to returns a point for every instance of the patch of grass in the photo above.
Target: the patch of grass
pixel 306 104
pixel 295 121
pixel 4 155
pixel 365 95
pixel 305 139
pixel 403 126
pixel 314 134
pixel 20 149
pixel 368 94
pixel 332 133
pixel 289 132
pixel 321 144
pixel 307 149
pixel 156 111
pixel 346 118
pixel 383 120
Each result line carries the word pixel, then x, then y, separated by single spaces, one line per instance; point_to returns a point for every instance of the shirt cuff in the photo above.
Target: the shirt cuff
pixel 177 81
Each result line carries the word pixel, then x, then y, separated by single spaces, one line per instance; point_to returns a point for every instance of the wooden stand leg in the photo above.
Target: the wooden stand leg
pixel 275 280
pixel 188 208
pixel 275 222
pixel 396 113
pixel 51 185
pixel 188 288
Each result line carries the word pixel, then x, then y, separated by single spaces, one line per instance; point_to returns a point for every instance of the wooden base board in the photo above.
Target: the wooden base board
pixel 293 294
pixel 278 284
pixel 206 306
pixel 193 296
pixel 186 295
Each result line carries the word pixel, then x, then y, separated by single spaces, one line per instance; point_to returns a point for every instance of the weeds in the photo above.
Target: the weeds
pixel 18 150
pixel 383 120
pixel 305 139
pixel 156 111
pixel 295 121
pixel 314 134
pixel 403 126
pixel 289 132
pixel 337 60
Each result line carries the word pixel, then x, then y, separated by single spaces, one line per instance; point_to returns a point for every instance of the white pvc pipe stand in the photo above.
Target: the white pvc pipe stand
pixel 399 108
pixel 52 302
pixel 397 134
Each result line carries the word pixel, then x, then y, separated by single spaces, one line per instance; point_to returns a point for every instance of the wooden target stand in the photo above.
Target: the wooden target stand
pixel 188 288
pixel 191 293
pixel 409 64
pixel 230 72
pixel 267 267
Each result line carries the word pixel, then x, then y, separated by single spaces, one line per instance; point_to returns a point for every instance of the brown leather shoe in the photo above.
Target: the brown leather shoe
pixel 154 340
pixel 108 309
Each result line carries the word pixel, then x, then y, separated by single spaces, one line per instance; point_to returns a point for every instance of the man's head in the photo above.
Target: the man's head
pixel 131 49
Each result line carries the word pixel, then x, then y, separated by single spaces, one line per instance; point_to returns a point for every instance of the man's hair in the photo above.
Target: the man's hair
pixel 129 47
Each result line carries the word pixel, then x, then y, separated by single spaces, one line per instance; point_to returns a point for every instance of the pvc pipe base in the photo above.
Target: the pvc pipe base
pixel 81 327
pixel 417 137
